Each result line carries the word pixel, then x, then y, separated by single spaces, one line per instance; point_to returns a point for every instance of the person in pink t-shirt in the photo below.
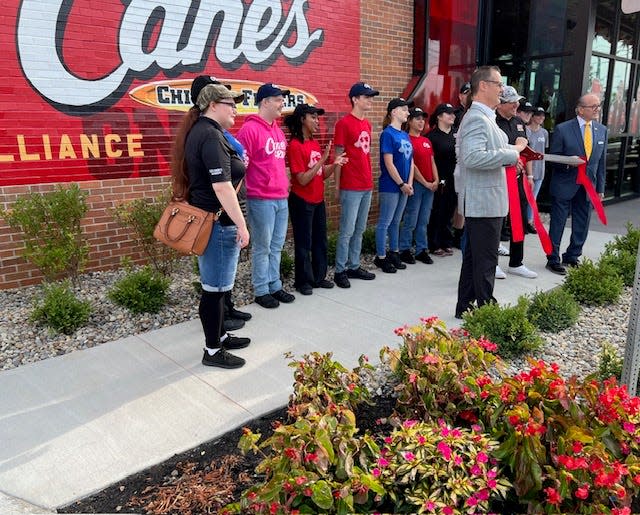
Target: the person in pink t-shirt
pixel 354 183
pixel 306 199
pixel 267 191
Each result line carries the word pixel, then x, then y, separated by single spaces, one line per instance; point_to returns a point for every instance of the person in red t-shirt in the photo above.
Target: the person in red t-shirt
pixel 425 182
pixel 354 183
pixel 306 198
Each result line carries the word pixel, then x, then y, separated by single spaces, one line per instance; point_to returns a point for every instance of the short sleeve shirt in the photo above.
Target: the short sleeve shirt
pixel 302 156
pixel 422 156
pixel 354 135
pixel 398 144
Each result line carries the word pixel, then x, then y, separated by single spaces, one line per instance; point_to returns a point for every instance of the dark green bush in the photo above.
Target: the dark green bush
pixel 60 309
pixel 332 242
pixel 622 254
pixel 53 237
pixel 369 241
pixel 141 216
pixel 286 264
pixel 143 291
pixel 553 310
pixel 508 327
pixel 594 285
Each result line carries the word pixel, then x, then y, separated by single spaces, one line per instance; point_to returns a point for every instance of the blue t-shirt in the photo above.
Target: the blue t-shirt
pixel 239 148
pixel 397 143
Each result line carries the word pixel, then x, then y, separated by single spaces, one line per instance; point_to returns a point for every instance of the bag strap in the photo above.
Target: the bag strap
pixel 221 210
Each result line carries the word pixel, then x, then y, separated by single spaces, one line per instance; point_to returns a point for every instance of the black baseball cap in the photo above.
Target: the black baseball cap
pixel 303 109
pixel 441 108
pixel 198 84
pixel 270 90
pixel 465 88
pixel 362 88
pixel 539 110
pixel 397 102
pixel 416 112
pixel 525 106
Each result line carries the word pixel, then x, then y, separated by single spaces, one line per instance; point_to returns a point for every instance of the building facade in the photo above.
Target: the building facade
pixel 93 91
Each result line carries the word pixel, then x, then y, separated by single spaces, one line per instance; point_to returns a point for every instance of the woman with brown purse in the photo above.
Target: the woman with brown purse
pixel 206 171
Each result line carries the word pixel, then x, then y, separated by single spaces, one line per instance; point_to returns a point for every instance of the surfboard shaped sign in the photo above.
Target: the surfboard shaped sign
pixel 175 95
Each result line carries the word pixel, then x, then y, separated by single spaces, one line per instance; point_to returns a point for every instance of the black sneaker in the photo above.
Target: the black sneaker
pixel 305 289
pixel 222 359
pixel 396 261
pixel 283 296
pixel 239 315
pixel 360 273
pixel 407 257
pixel 267 301
pixel 232 324
pixel 324 283
pixel 232 342
pixel 341 280
pixel 385 265
pixel 424 257
pixel 530 229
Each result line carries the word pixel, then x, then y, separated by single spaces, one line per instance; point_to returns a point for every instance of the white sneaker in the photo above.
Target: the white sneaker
pixel 500 273
pixel 522 271
pixel 502 250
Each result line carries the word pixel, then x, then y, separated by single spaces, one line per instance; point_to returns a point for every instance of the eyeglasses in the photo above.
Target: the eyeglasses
pixel 232 105
pixel 496 82
pixel 594 107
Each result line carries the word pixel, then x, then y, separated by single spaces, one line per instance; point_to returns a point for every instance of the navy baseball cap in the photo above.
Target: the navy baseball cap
pixel 270 90
pixel 416 112
pixel 397 102
pixel 303 109
pixel 362 88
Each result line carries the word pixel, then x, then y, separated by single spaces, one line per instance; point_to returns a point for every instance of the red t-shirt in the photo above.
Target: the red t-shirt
pixel 303 156
pixel 422 156
pixel 354 135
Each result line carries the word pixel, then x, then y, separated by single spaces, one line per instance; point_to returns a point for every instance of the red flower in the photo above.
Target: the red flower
pixel 583 492
pixel 553 497
pixel 577 447
pixel 514 420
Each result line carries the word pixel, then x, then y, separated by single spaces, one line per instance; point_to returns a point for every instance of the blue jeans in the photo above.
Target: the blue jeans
pixel 219 262
pixel 353 221
pixel 268 221
pixel 391 207
pixel 537 184
pixel 416 217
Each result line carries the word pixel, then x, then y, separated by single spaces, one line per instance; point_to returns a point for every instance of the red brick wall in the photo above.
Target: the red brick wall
pixel 385 57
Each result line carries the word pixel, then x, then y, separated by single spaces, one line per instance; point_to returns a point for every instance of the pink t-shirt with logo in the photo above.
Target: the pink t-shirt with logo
pixel 302 156
pixel 266 147
pixel 354 135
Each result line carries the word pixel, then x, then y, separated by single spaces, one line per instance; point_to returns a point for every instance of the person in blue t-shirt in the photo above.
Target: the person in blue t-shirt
pixel 395 184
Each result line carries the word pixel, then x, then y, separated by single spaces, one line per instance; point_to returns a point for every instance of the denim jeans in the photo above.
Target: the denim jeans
pixel 416 218
pixel 391 207
pixel 219 262
pixel 537 184
pixel 353 221
pixel 268 221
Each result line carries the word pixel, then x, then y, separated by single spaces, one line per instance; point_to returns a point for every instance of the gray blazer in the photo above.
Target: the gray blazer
pixel 483 151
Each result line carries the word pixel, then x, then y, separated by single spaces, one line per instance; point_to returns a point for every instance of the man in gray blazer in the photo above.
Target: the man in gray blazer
pixel 483 151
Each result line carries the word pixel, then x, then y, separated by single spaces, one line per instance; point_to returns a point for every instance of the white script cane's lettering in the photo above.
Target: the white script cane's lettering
pixel 241 36
pixel 278 148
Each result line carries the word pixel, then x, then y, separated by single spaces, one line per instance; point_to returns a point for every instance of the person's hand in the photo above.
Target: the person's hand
pixel 327 152
pixel 242 237
pixel 520 166
pixel 530 179
pixel 521 143
pixel 341 160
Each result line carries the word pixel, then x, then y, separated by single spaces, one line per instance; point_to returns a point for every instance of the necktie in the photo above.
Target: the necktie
pixel 588 140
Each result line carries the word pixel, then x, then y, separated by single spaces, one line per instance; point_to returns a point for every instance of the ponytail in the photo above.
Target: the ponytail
pixel 179 172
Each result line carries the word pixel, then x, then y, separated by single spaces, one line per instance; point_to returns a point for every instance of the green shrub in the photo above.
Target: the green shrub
pixel 286 264
pixel 609 362
pixel 508 327
pixel 53 237
pixel 553 310
pixel 141 216
pixel 624 263
pixel 60 309
pixel 143 291
pixel 627 242
pixel 593 284
pixel 332 243
pixel 369 241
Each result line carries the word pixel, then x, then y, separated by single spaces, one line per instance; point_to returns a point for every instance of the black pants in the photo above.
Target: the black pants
pixel 516 249
pixel 309 223
pixel 439 232
pixel 478 272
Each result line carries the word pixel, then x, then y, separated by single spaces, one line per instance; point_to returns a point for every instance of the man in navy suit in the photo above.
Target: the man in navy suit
pixel 581 136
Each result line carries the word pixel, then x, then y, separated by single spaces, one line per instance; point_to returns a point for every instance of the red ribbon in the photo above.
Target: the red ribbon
pixel 543 235
pixel 583 180
pixel 517 231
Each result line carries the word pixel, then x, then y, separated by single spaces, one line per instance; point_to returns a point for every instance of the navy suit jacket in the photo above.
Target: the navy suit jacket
pixel 567 140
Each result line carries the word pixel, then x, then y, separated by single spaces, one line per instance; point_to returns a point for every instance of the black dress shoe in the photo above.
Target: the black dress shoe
pixel 267 301
pixel 283 296
pixel 324 283
pixel 232 324
pixel 531 229
pixel 556 268
pixel 305 289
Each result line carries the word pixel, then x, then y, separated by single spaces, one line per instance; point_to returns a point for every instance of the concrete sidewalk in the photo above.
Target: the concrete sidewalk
pixel 72 425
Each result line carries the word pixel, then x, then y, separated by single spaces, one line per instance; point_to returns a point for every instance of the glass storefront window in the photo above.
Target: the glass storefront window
pixel 631 173
pixel 605 18
pixel 598 71
pixel 616 118
pixel 626 36
pixel 613 163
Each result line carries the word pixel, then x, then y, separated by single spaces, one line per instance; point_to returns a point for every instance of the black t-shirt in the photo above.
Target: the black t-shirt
pixel 444 153
pixel 210 159
pixel 513 128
